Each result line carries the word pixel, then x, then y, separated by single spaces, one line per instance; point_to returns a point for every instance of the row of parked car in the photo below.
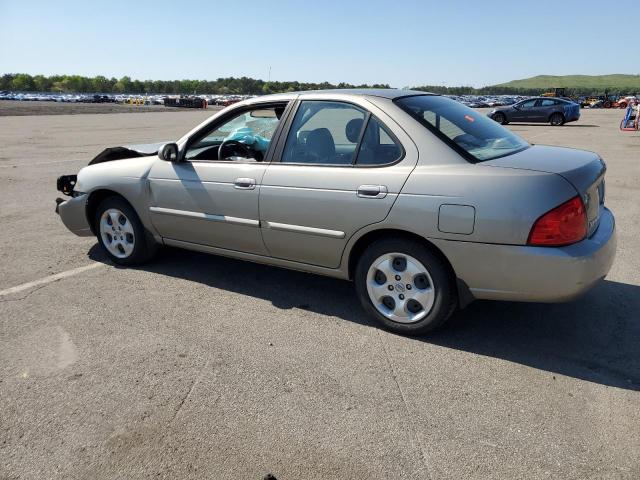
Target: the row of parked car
pixel 222 100
pixel 476 101
pixel 473 101
pixel 50 97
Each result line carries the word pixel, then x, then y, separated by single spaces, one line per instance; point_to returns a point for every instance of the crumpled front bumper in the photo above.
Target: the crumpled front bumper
pixel 73 214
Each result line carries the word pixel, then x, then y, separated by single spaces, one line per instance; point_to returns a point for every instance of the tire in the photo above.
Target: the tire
pixel 556 119
pixel 425 279
pixel 501 118
pixel 121 233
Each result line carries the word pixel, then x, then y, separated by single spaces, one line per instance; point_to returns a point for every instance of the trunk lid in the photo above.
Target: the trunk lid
pixel 584 170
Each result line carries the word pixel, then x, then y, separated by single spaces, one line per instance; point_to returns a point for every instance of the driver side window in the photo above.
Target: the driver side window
pixel 245 137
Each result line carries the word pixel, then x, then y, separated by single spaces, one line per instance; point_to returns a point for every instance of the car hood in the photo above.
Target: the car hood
pixel 127 151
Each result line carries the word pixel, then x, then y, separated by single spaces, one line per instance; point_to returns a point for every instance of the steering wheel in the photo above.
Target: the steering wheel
pixel 237 146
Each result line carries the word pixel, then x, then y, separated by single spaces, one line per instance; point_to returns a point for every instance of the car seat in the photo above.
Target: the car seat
pixel 320 146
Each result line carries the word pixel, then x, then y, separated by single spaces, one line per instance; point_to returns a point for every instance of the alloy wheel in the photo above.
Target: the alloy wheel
pixel 400 288
pixel 117 233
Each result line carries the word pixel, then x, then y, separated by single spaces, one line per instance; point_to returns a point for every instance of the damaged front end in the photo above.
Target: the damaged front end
pixel 127 151
pixel 67 183
pixel 72 211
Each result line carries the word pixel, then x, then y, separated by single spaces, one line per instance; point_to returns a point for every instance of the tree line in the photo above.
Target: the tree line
pixel 226 86
pixel 24 82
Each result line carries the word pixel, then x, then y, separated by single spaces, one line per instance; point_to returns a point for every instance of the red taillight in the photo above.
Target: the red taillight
pixel 563 225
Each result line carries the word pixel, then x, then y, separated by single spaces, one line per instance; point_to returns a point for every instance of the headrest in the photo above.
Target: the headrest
pixel 320 142
pixel 353 129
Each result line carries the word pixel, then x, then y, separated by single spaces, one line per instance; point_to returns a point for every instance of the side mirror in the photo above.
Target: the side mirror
pixel 169 152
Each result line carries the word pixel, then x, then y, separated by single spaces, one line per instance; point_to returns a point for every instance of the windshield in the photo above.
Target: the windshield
pixel 463 128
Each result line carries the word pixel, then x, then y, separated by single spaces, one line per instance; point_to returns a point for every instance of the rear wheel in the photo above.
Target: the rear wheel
pixel 404 286
pixel 556 119
pixel 501 118
pixel 121 233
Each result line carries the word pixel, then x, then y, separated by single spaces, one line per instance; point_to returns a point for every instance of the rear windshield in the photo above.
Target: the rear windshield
pixel 471 133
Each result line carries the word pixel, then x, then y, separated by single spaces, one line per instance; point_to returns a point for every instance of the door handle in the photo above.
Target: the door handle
pixel 372 191
pixel 244 183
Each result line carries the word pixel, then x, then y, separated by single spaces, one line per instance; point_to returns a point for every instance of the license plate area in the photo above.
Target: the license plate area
pixel 593 202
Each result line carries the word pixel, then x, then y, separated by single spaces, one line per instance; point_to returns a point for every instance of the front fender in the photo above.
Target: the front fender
pixel 127 178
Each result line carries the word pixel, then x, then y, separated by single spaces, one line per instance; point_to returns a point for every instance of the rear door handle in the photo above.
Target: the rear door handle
pixel 244 183
pixel 372 191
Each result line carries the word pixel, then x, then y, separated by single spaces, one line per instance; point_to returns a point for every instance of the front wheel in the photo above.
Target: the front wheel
pixel 500 118
pixel 556 119
pixel 121 233
pixel 405 286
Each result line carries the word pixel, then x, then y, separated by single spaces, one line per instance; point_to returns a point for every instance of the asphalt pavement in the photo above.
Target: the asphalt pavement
pixel 198 366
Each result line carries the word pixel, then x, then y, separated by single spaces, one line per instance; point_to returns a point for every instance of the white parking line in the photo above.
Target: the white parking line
pixel 49 279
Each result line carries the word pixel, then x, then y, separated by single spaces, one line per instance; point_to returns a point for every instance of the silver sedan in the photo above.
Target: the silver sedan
pixel 424 203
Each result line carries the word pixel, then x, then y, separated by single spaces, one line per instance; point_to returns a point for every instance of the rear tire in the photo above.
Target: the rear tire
pixel 501 118
pixel 556 119
pixel 405 286
pixel 121 233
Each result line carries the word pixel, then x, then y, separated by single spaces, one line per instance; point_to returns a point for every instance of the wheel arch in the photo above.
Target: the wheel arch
pixel 94 200
pixel 371 236
pixel 464 294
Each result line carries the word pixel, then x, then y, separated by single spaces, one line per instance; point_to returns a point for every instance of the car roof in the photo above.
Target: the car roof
pixel 390 93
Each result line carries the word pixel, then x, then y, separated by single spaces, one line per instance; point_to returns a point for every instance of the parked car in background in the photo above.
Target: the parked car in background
pixel 102 98
pixel 556 111
pixel 425 204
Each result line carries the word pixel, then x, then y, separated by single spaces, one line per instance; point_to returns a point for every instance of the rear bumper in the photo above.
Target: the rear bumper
pixel 73 214
pixel 534 274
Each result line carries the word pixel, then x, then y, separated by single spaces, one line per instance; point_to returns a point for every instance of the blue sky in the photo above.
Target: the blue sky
pixel 403 43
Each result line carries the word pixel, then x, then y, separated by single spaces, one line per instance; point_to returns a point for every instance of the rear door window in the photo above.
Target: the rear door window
pixel 338 133
pixel 324 133
pixel 378 147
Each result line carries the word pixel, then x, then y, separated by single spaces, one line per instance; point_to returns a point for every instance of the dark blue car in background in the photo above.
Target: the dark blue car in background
pixel 555 111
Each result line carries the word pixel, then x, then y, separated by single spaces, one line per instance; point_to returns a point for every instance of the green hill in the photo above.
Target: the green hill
pixel 613 83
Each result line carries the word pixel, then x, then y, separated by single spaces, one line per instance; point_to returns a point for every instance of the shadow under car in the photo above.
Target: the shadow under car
pixel 594 338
